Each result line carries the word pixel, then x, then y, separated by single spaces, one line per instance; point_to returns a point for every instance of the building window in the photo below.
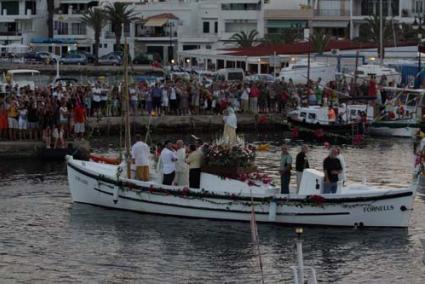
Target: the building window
pixel 241 6
pixel 78 29
pixel 61 28
pixel 206 27
pixel 208 46
pixel 11 7
pixel 215 27
pixel 31 6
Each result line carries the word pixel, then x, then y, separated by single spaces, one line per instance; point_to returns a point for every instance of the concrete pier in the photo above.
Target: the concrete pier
pixel 186 124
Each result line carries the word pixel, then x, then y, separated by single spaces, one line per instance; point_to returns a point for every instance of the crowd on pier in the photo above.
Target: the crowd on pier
pixel 53 113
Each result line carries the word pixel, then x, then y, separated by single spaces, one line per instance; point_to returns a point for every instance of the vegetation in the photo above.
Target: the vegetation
pixel 319 41
pixel 244 39
pixel 289 36
pixel 118 14
pixel 370 31
pixel 96 19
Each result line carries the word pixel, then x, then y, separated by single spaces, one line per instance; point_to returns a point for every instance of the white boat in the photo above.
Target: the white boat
pixel 364 72
pixel 392 123
pixel 298 72
pixel 230 199
pixel 21 78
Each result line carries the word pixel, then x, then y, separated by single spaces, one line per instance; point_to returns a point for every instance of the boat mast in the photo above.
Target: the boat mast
pixel 127 109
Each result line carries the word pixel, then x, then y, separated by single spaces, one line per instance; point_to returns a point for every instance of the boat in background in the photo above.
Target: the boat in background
pixel 298 72
pixel 21 78
pixel 402 115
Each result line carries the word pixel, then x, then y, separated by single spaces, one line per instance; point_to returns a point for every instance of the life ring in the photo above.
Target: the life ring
pixel 104 160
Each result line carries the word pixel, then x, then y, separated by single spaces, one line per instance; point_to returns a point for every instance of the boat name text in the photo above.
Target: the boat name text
pixel 378 208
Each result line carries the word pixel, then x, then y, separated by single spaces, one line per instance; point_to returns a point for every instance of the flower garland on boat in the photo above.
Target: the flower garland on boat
pixel 222 155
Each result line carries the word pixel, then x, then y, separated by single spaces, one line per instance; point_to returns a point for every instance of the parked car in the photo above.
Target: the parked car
pixel 33 57
pixel 110 59
pixel 90 57
pixel 143 59
pixel 74 59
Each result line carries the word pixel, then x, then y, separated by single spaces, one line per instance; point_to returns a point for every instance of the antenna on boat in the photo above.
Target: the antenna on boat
pixel 255 239
pixel 299 270
pixel 127 108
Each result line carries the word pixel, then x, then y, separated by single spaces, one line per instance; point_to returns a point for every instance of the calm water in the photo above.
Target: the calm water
pixel 46 239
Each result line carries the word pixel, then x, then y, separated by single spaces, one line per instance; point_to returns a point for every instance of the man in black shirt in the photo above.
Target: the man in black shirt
pixel 331 167
pixel 301 163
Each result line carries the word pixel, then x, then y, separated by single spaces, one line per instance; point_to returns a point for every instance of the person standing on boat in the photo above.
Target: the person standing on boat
pixel 140 152
pixel 194 159
pixel 285 169
pixel 181 166
pixel 332 168
pixel 301 163
pixel 342 175
pixel 230 125
pixel 168 160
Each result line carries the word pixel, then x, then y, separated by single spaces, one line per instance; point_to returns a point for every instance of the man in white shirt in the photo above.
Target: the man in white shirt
pixel 140 154
pixel 168 160
pixel 181 166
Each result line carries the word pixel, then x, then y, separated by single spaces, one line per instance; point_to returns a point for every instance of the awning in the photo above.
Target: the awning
pixel 155 22
pixel 330 24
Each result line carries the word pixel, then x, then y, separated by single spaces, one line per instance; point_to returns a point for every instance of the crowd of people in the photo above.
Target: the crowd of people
pixel 54 113
pixel 178 164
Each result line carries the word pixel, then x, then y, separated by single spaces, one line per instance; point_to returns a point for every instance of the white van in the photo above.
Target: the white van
pixel 230 74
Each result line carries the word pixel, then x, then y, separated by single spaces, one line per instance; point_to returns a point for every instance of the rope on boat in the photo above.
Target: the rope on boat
pixel 255 238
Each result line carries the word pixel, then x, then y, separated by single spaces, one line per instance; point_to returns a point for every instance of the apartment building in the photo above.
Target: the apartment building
pixel 168 26
pixel 20 20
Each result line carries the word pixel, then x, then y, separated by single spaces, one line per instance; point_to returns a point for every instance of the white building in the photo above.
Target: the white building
pixel 166 27
pixel 21 20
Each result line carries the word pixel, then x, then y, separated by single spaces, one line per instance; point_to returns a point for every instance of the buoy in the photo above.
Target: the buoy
pixel 263 147
pixel 115 195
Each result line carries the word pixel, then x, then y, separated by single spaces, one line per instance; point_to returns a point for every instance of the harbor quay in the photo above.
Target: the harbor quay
pixel 186 123
pixel 111 126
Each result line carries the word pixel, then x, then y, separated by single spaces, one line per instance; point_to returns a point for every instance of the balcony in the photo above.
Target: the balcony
pixel 331 13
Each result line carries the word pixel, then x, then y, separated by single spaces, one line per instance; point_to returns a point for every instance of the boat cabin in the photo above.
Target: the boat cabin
pixel 21 78
pixel 319 114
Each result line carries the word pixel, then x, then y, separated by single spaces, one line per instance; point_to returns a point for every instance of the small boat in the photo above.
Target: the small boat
pixel 230 199
pixel 315 118
pixel 402 116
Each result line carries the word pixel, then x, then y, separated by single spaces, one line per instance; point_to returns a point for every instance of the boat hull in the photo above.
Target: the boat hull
pixel 385 210
pixel 402 132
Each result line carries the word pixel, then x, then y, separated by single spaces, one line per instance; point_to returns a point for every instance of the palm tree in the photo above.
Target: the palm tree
pixel 370 31
pixel 119 13
pixel 244 39
pixel 319 41
pixel 96 19
pixel 50 13
pixel 289 36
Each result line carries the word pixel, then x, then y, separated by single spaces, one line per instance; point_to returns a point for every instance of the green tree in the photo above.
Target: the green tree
pixel 244 39
pixel 319 41
pixel 96 19
pixel 119 13
pixel 288 36
pixel 370 31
